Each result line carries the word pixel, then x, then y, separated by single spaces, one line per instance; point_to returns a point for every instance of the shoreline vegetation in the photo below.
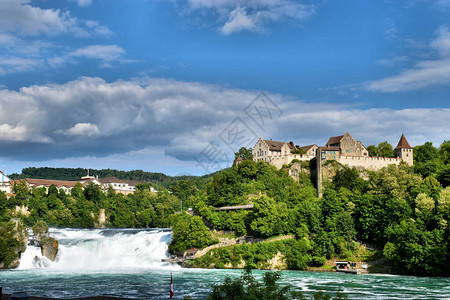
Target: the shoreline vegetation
pixel 404 211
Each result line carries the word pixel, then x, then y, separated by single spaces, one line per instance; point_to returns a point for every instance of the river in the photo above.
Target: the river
pixel 127 263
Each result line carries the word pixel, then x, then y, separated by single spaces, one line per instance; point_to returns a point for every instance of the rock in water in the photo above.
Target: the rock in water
pixel 49 248
pixel 49 245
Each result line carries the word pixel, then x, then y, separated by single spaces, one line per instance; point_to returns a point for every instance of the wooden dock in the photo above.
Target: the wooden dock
pixel 352 271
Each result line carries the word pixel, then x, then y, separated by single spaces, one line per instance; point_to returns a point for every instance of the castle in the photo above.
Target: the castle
pixel 343 149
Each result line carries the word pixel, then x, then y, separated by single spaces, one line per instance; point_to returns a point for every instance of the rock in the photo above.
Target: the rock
pixel 49 245
pixel 49 248
pixel 16 231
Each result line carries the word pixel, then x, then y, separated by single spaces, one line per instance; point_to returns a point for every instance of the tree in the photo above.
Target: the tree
pixel 244 153
pixel 349 178
pixel 298 151
pixel 444 152
pixel 52 190
pixel 268 218
pixel 384 149
pixel 247 287
pixel 394 181
pixel 425 153
pixel 444 176
pixel 21 191
pixel 189 232
pixel 373 151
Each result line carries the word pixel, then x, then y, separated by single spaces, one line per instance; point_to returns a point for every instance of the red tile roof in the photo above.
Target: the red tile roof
pixel 403 143
pixel 276 146
pixel 334 140
pixel 48 182
pixel 110 180
pixel 307 148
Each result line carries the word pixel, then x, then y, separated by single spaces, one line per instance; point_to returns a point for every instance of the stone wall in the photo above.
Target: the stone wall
pixel 350 147
pixel 280 160
pixel 368 163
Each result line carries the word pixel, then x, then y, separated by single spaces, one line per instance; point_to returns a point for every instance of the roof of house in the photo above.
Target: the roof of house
pixel 403 143
pixel 239 158
pixel 276 146
pixel 309 147
pixel 192 250
pixel 329 148
pixel 49 182
pixel 334 140
pixel 117 180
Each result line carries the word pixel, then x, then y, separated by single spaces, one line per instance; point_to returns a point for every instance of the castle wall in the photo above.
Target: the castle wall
pixel 280 160
pixel 368 163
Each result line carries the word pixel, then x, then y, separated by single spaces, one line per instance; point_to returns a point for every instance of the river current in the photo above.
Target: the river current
pixel 127 263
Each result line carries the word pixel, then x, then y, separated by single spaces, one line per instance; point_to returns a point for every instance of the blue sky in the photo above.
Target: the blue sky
pixel 153 84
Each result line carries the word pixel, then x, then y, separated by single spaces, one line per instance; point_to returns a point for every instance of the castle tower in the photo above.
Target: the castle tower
pixel 404 150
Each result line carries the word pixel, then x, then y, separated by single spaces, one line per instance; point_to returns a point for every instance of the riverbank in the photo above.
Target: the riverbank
pixel 8 297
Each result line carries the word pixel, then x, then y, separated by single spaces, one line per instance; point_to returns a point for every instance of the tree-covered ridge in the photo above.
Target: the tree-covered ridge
pixel 77 173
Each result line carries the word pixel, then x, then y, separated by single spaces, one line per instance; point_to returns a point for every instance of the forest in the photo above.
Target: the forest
pixel 403 210
pixel 76 173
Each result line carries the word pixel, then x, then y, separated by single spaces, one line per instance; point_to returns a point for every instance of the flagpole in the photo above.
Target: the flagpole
pixel 171 286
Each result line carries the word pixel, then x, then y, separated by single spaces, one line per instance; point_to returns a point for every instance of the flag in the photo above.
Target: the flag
pixel 171 286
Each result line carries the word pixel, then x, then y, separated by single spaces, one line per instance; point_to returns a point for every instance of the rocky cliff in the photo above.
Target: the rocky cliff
pixel 48 245
pixel 13 242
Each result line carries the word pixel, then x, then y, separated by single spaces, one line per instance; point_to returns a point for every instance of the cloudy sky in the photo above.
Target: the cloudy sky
pixel 176 86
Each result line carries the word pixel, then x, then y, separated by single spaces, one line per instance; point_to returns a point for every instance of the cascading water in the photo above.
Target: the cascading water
pixel 102 249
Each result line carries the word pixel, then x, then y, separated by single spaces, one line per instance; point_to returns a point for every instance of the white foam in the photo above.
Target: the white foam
pixel 102 250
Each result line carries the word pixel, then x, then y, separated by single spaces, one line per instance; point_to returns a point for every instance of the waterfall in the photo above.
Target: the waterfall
pixel 102 250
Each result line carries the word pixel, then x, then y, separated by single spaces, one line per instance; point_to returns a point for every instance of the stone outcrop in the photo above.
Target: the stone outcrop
pixel 48 244
pixel 20 234
pixel 49 248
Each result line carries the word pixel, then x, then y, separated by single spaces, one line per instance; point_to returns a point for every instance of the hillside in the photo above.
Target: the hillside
pixel 76 173
pixel 395 209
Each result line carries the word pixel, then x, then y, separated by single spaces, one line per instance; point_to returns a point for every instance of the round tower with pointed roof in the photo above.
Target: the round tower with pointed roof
pixel 404 150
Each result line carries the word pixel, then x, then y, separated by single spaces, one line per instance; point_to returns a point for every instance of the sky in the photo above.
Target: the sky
pixel 177 86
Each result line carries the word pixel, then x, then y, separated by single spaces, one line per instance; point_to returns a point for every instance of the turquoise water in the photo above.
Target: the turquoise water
pixel 126 263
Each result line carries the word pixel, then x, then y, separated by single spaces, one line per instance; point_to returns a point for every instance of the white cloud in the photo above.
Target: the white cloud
pixel 21 17
pixel 107 54
pixel 26 33
pixel 84 3
pixel 103 52
pixel 251 15
pixel 17 64
pixel 392 61
pixel 425 73
pixel 91 117
pixel 13 133
pixel 83 129
pixel 238 21
pixel 442 42
pixel 20 133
